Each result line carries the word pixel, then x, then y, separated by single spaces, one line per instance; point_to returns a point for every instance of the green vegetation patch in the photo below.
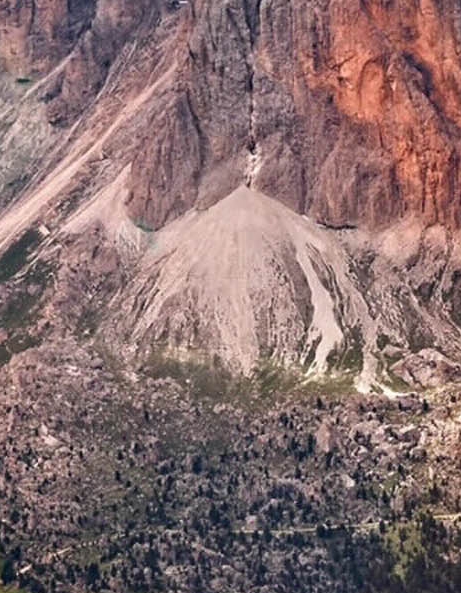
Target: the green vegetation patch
pixel 15 257
pixel 396 383
pixel 210 381
pixel 310 358
pixel 5 354
pixel 341 385
pixel 20 311
pixel 143 226
pixel 270 378
pixel 21 343
pixel 21 306
pixel 17 309
pixel 404 542
pixel 350 357
pixel 204 378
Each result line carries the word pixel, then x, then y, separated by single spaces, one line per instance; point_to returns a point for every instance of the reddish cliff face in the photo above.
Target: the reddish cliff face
pixel 393 69
pixel 79 38
pixel 347 110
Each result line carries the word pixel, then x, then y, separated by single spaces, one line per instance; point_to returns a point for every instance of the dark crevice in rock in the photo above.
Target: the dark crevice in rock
pixel 337 227
pixel 196 124
pixel 303 198
pixel 427 83
pixel 33 11
pixel 247 55
pixel 252 18
pixel 251 143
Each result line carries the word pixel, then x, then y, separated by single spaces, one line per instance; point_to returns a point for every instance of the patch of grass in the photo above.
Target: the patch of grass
pixel 17 343
pixel 396 383
pixel 21 343
pixel 333 358
pixel 21 310
pixel 353 357
pixel 331 385
pixel 204 378
pixel 311 354
pixel 17 310
pixel 404 541
pixel 391 360
pixel 209 381
pixel 15 257
pixel 349 357
pixel 143 226
pixel 5 354
pixel 270 378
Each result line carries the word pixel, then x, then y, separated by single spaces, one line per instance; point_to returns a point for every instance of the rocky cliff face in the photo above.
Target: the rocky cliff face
pixel 120 119
pixel 348 111
pixel 37 34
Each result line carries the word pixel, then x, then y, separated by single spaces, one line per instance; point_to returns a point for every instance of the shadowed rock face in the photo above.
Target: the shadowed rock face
pixel 36 34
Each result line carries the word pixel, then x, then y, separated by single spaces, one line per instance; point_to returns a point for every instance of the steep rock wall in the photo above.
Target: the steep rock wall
pixel 348 111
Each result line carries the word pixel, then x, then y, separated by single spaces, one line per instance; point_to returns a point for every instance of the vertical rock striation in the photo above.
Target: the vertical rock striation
pixel 348 111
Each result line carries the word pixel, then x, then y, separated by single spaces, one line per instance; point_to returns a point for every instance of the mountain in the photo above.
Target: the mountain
pixel 238 181
pixel 230 291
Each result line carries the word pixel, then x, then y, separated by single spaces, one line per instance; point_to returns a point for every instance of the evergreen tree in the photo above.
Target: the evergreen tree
pixel 8 574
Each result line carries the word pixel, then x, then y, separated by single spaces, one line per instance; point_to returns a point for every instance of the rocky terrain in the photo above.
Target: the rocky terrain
pixel 230 275
pixel 117 483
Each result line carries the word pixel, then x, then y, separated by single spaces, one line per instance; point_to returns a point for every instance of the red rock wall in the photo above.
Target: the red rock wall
pixel 352 107
pixel 348 110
